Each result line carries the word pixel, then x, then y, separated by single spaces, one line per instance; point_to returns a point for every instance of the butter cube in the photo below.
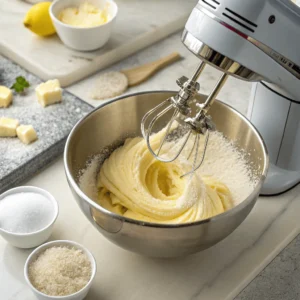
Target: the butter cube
pixel 6 96
pixel 49 92
pixel 8 127
pixel 26 134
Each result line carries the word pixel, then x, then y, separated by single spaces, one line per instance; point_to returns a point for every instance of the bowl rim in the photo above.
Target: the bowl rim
pixel 31 189
pixel 96 206
pixel 53 17
pixel 52 244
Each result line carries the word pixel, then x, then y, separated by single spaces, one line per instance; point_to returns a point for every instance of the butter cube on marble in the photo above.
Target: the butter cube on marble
pixel 49 92
pixel 6 96
pixel 26 134
pixel 8 127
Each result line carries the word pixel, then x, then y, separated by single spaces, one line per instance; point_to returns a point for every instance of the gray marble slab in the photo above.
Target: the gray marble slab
pixel 53 124
pixel 280 280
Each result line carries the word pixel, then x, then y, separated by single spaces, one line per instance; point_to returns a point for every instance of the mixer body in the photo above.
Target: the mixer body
pixel 277 117
pixel 257 40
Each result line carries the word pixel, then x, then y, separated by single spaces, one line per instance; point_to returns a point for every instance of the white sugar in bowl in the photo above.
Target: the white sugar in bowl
pixel 27 216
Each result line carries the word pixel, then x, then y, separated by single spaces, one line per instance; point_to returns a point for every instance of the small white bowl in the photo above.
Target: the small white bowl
pixel 30 240
pixel 83 39
pixel 76 296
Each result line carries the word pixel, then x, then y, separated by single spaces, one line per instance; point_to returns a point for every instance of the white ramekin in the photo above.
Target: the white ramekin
pixel 30 240
pixel 76 296
pixel 83 39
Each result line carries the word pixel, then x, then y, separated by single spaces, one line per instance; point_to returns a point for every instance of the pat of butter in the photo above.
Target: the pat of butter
pixel 8 127
pixel 49 92
pixel 6 96
pixel 26 134
pixel 85 15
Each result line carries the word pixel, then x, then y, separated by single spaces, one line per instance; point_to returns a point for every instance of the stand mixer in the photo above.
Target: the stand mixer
pixel 249 40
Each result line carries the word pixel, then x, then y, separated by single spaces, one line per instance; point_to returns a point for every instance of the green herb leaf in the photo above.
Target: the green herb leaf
pixel 18 87
pixel 20 84
pixel 20 79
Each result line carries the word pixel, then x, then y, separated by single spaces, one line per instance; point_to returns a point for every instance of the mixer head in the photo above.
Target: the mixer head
pixel 252 40
pixel 218 60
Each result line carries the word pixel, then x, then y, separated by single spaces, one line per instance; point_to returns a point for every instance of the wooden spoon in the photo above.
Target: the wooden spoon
pixel 139 74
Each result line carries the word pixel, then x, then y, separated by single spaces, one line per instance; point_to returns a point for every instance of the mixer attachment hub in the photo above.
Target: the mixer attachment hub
pixel 201 124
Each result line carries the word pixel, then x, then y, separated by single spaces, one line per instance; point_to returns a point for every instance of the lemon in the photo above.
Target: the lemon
pixel 38 19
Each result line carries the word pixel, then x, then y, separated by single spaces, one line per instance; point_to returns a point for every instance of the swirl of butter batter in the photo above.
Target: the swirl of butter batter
pixel 134 184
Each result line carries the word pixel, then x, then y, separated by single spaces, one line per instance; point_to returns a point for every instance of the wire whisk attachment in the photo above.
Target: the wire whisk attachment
pixel 182 126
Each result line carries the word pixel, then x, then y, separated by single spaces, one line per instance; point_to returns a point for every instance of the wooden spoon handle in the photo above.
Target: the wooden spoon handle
pixel 142 73
pixel 165 61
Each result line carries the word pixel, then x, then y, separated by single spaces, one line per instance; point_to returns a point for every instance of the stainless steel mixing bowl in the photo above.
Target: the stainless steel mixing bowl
pixel 120 118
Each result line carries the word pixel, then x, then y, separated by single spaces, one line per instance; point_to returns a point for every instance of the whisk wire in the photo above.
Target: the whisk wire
pixel 149 113
pixel 192 150
pixel 168 159
pixel 197 140
pixel 167 130
pixel 196 155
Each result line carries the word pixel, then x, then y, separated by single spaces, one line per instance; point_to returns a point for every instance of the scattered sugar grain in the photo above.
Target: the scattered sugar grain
pixel 225 162
pixel 88 178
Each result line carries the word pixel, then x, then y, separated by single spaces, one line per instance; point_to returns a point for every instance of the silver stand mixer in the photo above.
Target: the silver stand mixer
pixel 251 40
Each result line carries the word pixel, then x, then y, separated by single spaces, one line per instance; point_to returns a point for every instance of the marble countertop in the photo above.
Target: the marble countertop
pixel 219 273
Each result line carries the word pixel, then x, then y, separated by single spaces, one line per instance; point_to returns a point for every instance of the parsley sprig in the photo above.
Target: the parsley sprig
pixel 20 85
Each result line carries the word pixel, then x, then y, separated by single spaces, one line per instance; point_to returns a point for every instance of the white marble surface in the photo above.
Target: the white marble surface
pixel 138 24
pixel 218 273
